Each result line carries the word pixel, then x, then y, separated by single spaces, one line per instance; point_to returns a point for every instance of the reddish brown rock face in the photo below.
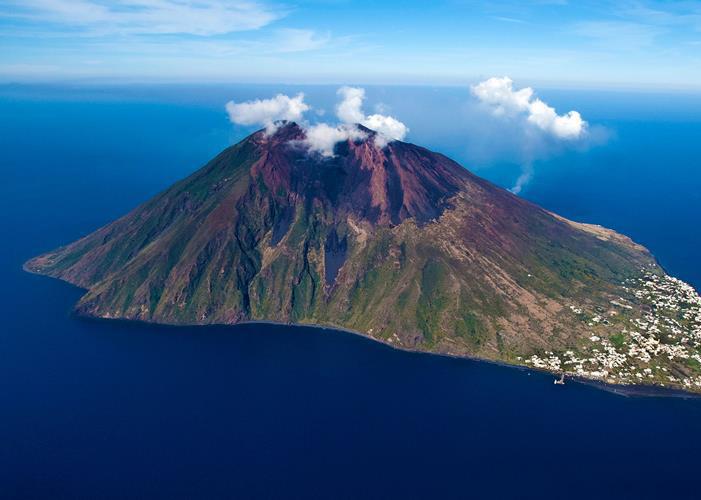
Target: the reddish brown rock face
pixel 385 185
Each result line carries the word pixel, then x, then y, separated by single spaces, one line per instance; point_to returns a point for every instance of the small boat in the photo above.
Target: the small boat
pixel 560 381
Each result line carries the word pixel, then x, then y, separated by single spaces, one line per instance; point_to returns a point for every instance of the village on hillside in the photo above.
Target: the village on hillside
pixel 659 345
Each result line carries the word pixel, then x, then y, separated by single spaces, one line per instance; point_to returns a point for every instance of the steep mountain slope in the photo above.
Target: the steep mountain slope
pixel 398 243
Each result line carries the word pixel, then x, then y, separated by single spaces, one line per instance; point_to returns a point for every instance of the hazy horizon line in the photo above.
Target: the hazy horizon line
pixel 439 83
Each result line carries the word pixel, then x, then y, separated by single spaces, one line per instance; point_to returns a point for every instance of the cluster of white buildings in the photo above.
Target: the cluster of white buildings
pixel 660 346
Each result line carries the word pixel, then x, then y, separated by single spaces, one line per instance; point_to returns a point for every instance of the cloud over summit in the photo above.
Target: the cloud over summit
pixel 266 112
pixel 350 111
pixel 321 137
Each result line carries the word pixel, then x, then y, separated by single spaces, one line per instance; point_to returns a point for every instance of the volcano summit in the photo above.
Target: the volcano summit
pixel 395 242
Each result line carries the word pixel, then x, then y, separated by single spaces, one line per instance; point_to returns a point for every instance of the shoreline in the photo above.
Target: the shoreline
pixel 632 390
pixel 624 390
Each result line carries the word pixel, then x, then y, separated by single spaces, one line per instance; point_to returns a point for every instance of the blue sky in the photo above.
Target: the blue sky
pixel 628 44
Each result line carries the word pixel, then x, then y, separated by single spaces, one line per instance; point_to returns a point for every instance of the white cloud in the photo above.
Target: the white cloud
pixel 527 126
pixel 323 137
pixel 388 128
pixel 268 111
pixel 501 96
pixel 568 126
pixel 349 110
pixel 202 17
pixel 499 92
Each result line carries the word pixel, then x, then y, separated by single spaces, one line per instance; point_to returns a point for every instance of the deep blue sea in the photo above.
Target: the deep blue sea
pixel 92 409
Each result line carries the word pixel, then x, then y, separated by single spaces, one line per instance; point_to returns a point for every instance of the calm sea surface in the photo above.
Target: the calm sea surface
pixel 94 409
